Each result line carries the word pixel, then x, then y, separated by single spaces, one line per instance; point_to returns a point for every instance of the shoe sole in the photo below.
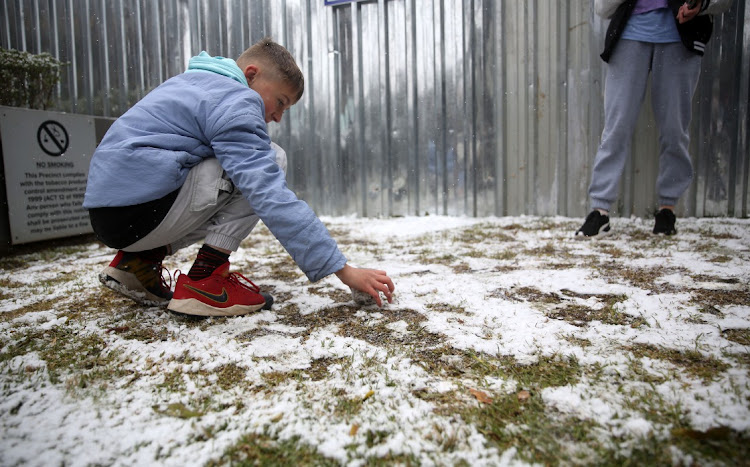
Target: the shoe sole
pixel 194 307
pixel 601 234
pixel 128 285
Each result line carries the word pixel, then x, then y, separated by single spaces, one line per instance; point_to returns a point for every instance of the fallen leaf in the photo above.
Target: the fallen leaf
pixel 481 396
pixel 354 430
pixel 523 396
pixel 368 395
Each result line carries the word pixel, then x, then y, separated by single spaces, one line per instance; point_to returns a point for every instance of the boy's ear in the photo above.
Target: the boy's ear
pixel 251 71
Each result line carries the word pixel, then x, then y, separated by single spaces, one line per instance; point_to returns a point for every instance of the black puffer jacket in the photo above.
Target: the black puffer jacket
pixel 694 33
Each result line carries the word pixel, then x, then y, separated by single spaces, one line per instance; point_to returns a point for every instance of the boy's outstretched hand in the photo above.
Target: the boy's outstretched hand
pixel 369 281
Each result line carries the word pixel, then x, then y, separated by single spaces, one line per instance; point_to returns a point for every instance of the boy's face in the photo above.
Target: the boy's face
pixel 277 95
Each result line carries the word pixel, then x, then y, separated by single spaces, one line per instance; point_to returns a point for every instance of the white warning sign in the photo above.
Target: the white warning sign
pixel 46 157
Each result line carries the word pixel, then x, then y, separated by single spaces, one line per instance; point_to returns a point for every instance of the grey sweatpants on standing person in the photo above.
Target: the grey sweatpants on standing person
pixel 208 207
pixel 674 76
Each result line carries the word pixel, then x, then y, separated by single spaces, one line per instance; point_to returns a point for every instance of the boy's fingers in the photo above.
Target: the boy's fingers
pixel 376 296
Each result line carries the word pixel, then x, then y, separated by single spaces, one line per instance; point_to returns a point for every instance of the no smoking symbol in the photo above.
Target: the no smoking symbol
pixel 52 138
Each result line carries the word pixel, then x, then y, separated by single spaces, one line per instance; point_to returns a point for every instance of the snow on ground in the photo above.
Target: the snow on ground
pixel 648 336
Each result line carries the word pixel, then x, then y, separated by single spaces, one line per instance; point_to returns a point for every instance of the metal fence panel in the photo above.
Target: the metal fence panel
pixel 458 107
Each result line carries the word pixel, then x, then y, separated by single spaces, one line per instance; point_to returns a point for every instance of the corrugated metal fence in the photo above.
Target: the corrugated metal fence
pixel 458 107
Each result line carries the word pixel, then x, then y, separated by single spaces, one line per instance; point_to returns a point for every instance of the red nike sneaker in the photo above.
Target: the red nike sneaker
pixel 220 294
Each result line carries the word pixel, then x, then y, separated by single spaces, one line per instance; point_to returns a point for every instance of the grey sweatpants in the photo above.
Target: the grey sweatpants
pixel 674 76
pixel 208 207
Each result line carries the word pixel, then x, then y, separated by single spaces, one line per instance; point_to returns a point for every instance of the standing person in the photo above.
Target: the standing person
pixel 664 39
pixel 192 160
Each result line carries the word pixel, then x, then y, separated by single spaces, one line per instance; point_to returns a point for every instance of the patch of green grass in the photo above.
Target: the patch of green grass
pixel 583 343
pixel 254 449
pixel 376 333
pixel 230 375
pixel 740 336
pixel 380 334
pixel 446 403
pixel 79 359
pixel 285 269
pixel 710 233
pixel 721 259
pixel 140 331
pixel 11 284
pixel 532 294
pixel 428 257
pixel 743 359
pixel 581 315
pixel 13 262
pixel 475 253
pixel 545 372
pixel 319 370
pixel 608 249
pixel 337 295
pixel 708 278
pixel 541 435
pixel 505 255
pixel 718 445
pixel 174 381
pixel 41 305
pixel 691 361
pixel 446 308
pixel 545 250
pixel 644 278
pixel 443 361
pixel 481 233
pixel 391 459
pixel 347 407
pixel 461 268
pixel 719 297
pixel 639 373
pixel 273 379
pixel 177 410
pixel 544 436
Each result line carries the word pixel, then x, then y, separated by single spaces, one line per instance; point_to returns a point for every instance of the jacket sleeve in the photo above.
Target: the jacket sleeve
pixel 238 135
pixel 716 7
pixel 606 8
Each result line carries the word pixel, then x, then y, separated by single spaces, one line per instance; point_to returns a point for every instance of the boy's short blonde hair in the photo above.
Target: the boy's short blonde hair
pixel 268 53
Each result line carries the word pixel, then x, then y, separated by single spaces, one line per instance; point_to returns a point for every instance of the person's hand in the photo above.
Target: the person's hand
pixel 369 281
pixel 686 13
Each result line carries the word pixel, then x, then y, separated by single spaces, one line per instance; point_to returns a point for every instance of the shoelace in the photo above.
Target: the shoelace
pixel 164 285
pixel 238 279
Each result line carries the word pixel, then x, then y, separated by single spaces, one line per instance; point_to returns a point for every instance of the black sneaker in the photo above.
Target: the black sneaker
pixel 137 278
pixel 664 222
pixel 595 226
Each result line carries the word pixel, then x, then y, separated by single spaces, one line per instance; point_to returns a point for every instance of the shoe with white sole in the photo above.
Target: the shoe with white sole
pixel 223 293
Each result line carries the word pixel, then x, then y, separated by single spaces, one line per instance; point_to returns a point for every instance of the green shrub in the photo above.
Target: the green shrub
pixel 28 80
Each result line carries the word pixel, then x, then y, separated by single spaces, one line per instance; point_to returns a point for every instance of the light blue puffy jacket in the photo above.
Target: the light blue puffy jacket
pixel 148 152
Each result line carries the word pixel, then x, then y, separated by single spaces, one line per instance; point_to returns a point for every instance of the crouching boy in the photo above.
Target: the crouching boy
pixel 193 160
